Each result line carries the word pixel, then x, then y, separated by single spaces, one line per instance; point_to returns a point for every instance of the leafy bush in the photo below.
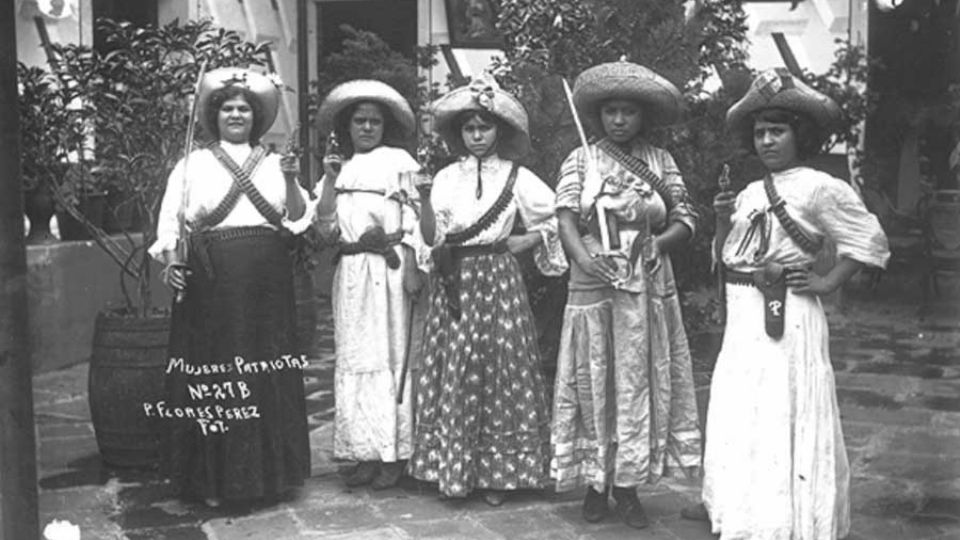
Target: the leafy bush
pixel 548 40
pixel 134 100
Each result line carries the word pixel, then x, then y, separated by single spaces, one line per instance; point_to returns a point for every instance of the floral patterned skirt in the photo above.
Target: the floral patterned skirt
pixel 482 415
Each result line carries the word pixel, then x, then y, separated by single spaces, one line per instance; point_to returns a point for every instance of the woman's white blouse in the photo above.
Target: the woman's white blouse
pixel 822 206
pixel 455 203
pixel 208 183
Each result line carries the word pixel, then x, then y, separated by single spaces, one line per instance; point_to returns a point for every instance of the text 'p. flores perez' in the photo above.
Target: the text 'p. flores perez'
pixel 210 418
pixel 239 365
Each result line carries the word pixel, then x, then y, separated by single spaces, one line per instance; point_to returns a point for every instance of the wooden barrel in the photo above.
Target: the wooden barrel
pixel 127 370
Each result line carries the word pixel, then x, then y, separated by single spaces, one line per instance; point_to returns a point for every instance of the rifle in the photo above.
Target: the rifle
pixel 593 184
pixel 183 247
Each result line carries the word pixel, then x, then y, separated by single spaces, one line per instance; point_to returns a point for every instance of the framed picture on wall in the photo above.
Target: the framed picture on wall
pixel 473 24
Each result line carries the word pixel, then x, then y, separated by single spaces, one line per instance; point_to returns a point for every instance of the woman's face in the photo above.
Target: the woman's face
pixel 776 145
pixel 235 120
pixel 479 136
pixel 622 119
pixel 366 127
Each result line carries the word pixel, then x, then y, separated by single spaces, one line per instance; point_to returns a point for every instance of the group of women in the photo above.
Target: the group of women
pixel 462 402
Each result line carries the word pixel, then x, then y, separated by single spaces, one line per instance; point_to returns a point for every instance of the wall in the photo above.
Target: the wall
pixel 68 283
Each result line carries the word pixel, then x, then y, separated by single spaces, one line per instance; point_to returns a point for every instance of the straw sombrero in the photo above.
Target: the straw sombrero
pixel 778 88
pixel 346 94
pixel 483 95
pixel 263 89
pixel 626 80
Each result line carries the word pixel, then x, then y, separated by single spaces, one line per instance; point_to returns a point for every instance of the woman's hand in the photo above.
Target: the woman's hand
pixel 600 267
pixel 331 166
pixel 518 243
pixel 724 203
pixel 413 278
pixel 809 282
pixel 289 166
pixel 175 276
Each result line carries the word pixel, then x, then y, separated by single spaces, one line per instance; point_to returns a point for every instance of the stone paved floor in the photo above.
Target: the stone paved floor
pixel 898 379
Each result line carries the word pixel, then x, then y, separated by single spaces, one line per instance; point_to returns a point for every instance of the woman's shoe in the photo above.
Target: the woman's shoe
pixel 389 475
pixel 595 505
pixel 629 508
pixel 696 512
pixel 493 497
pixel 363 475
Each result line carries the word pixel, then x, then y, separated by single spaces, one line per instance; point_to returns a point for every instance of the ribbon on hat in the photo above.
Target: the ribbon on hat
pixel 483 94
pixel 771 83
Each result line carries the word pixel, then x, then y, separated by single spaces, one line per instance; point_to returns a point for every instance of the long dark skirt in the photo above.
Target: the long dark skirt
pixel 239 427
pixel 482 417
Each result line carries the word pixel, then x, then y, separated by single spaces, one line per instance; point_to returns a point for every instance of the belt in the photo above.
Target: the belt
pixel 375 241
pixel 201 241
pixel 466 252
pixel 746 278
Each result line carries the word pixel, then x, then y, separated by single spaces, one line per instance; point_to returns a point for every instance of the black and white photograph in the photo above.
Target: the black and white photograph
pixel 480 269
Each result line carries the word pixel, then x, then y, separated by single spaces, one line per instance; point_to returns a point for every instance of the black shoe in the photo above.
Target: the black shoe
pixel 365 473
pixel 493 497
pixel 595 505
pixel 389 475
pixel 629 508
pixel 696 512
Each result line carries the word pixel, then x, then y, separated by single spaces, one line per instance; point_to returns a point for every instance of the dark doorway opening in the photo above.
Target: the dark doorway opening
pixel 139 12
pixel 395 21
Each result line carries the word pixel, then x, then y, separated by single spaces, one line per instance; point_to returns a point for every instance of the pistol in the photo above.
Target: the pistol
pixel 724 180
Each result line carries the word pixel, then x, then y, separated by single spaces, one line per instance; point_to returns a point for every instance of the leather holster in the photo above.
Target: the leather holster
pixel 772 282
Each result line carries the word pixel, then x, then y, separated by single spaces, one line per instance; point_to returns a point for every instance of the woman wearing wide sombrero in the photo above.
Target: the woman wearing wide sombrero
pixel 373 219
pixel 775 464
pixel 482 417
pixel 624 406
pixel 237 430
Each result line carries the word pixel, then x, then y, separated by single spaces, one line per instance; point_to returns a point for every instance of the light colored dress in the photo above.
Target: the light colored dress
pixel 371 310
pixel 624 409
pixel 482 413
pixel 775 463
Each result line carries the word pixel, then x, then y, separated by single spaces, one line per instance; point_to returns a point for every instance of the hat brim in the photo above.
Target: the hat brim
pixel 792 95
pixel 365 90
pixel 504 106
pixel 663 102
pixel 261 88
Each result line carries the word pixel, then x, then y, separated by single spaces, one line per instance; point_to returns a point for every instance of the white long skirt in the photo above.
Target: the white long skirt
pixel 775 466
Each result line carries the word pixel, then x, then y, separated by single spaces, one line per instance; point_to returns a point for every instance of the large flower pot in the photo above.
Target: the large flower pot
pixel 39 207
pixel 126 371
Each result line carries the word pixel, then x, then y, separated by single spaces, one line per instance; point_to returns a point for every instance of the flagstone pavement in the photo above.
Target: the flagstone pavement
pixel 897 365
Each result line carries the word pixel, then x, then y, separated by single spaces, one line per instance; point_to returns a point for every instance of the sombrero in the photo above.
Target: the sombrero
pixel 626 80
pixel 346 94
pixel 778 88
pixel 483 95
pixel 263 89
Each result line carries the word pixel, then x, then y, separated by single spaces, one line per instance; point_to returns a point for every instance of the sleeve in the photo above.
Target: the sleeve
pixel 410 204
pixel 570 183
pixel 441 211
pixel 299 226
pixel 536 203
pixel 328 227
pixel 846 221
pixel 168 227
pixel 682 208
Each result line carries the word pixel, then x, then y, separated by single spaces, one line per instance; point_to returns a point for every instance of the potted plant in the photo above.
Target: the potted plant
pixel 135 99
pixel 44 139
